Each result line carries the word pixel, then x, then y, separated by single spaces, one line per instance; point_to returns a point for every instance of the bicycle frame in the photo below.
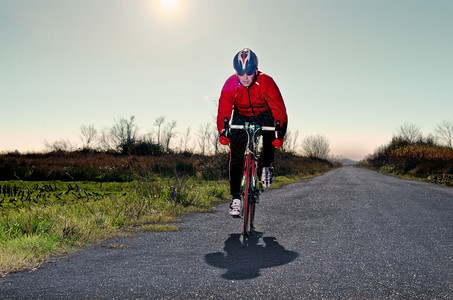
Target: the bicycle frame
pixel 251 186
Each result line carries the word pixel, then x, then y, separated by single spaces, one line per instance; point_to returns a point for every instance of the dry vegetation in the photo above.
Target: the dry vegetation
pixel 114 167
pixel 421 159
pixel 108 167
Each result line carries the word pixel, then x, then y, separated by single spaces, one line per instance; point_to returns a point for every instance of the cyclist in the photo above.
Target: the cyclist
pixel 252 96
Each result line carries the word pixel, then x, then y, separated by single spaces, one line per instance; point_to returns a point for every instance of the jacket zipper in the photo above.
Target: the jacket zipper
pixel 250 101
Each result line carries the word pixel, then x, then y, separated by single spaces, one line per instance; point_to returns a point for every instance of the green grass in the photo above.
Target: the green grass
pixel 47 222
pixel 44 219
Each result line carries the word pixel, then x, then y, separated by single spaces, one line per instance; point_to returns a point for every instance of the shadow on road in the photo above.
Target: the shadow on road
pixel 244 257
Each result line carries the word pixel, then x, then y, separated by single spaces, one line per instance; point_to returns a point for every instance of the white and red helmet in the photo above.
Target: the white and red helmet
pixel 245 62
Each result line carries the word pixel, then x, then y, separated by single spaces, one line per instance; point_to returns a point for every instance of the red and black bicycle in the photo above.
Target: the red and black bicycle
pixel 251 185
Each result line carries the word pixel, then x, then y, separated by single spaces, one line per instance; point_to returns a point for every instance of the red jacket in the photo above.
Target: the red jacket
pixel 262 95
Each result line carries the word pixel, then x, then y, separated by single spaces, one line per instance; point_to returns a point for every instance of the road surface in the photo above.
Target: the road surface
pixel 348 234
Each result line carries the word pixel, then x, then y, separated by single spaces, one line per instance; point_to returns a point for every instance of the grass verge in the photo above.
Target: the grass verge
pixel 38 222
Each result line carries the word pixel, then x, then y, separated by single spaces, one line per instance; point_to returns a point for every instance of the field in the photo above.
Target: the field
pixel 419 160
pixel 53 203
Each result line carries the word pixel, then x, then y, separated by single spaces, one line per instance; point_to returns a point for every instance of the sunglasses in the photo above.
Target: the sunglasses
pixel 249 73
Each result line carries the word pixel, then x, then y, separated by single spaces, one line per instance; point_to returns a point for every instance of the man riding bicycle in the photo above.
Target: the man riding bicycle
pixel 251 96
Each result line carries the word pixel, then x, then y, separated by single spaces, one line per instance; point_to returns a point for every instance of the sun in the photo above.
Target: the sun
pixel 168 4
pixel 169 22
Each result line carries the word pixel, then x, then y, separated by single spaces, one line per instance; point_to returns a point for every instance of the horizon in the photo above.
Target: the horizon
pixel 351 71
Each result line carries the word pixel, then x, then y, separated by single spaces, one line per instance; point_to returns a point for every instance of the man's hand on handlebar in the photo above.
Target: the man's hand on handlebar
pixel 223 139
pixel 278 142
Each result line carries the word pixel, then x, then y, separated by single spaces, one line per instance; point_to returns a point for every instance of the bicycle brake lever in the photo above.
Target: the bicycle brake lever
pixel 278 133
pixel 226 127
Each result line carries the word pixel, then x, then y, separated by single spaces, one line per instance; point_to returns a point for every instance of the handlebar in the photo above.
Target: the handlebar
pixel 264 128
pixel 227 126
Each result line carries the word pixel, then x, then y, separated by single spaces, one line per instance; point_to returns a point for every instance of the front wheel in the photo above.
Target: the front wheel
pixel 252 214
pixel 248 206
pixel 254 193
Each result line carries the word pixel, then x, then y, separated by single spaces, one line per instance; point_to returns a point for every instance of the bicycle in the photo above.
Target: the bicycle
pixel 251 185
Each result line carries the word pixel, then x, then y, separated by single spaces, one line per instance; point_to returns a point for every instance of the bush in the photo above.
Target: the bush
pixel 421 159
pixel 114 167
pixel 104 167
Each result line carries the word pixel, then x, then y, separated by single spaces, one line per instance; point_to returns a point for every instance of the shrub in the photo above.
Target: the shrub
pixel 421 159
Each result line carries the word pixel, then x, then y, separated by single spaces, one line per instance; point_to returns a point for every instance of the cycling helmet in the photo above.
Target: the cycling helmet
pixel 245 61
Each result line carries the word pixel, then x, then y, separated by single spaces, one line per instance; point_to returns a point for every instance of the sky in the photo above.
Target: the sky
pixel 353 71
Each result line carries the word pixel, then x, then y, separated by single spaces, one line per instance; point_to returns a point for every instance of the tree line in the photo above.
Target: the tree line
pixel 124 137
pixel 410 153
pixel 410 133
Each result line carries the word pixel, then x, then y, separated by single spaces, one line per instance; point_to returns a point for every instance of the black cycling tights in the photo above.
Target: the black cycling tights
pixel 238 142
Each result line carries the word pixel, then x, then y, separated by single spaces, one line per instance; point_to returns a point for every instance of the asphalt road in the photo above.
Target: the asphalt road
pixel 348 234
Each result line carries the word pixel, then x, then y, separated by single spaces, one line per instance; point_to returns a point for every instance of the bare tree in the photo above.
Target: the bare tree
pixel 60 145
pixel 124 134
pixel 290 144
pixel 316 146
pixel 159 122
pixel 295 141
pixel 444 132
pixel 105 140
pixel 168 133
pixel 430 139
pixel 410 133
pixel 89 135
pixel 185 139
pixel 148 137
pixel 204 134
pixel 214 140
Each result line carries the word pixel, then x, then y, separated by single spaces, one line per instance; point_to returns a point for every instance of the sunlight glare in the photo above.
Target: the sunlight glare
pixel 169 22
pixel 169 4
